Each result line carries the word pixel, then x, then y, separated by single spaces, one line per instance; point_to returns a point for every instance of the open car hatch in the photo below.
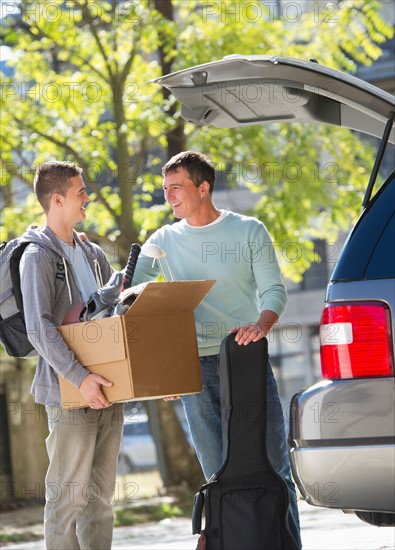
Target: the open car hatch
pixel 244 90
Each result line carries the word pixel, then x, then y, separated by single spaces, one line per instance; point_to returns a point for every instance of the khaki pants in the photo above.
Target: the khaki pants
pixel 83 447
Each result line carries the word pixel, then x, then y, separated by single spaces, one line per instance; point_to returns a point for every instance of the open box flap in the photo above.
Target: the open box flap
pixel 170 296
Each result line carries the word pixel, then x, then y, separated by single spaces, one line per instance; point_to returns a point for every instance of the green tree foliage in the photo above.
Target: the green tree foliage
pixel 81 91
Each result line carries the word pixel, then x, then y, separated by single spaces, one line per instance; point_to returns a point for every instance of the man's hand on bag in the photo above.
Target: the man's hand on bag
pixel 252 332
pixel 91 391
pixel 248 333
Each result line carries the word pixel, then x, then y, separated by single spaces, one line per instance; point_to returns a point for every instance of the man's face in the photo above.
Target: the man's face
pixel 185 199
pixel 75 200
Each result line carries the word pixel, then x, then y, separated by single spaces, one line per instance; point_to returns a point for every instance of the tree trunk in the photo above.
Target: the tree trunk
pixel 181 462
pixel 128 233
pixel 176 141
pixel 182 466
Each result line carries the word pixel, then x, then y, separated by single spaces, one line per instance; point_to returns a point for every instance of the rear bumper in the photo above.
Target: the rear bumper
pixel 349 478
pixel 342 440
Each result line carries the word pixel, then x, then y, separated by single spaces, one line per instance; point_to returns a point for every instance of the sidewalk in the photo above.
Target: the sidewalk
pixel 322 529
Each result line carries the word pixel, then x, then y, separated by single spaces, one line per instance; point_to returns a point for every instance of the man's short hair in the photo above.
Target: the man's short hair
pixel 199 167
pixel 53 177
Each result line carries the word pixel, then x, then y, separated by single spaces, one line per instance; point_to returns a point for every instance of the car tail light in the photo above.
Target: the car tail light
pixel 355 340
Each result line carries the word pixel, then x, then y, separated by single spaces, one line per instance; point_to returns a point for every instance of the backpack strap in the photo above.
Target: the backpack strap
pixel 15 260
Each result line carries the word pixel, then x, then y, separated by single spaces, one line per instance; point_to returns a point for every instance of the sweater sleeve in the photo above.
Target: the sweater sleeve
pixel 271 289
pixel 38 291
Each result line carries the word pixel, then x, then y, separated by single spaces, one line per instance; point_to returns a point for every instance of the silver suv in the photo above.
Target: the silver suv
pixel 342 430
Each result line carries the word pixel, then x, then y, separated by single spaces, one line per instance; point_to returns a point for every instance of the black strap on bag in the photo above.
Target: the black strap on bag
pixel 246 502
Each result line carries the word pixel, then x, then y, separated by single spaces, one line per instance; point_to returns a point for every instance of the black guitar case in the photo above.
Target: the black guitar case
pixel 246 502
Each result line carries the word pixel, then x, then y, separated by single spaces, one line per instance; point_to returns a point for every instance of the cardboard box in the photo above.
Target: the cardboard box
pixel 147 353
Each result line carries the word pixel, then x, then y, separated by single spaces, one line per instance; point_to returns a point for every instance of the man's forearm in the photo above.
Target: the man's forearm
pixel 267 320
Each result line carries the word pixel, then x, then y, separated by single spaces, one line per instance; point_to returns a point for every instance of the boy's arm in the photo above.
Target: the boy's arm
pixel 38 291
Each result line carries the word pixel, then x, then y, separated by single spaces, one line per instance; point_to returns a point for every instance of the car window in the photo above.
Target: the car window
pixel 369 251
pixel 382 262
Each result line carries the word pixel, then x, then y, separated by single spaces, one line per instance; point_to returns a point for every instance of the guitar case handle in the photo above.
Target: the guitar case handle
pixel 198 504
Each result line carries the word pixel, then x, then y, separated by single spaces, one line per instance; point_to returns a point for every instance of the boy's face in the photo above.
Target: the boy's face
pixel 74 202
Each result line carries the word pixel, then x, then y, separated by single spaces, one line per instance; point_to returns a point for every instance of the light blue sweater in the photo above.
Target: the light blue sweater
pixel 238 253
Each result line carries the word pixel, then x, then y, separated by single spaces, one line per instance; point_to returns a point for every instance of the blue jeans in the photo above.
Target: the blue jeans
pixel 203 413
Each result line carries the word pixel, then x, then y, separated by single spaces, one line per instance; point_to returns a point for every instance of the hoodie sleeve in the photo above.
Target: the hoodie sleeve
pixel 38 291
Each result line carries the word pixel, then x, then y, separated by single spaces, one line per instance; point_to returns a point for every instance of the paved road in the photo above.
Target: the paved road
pixel 322 529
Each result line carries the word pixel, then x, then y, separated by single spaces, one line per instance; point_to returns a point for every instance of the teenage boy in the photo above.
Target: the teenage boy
pixel 59 271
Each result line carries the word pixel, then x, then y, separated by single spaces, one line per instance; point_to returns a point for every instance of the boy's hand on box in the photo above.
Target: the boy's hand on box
pixel 91 391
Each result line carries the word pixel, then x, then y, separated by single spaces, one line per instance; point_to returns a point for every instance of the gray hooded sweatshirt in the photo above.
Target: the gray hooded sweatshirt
pixel 49 291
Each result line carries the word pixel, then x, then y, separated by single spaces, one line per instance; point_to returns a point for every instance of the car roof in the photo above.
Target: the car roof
pixel 242 90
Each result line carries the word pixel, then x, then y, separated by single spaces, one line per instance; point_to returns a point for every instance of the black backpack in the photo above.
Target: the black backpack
pixel 246 502
pixel 13 334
